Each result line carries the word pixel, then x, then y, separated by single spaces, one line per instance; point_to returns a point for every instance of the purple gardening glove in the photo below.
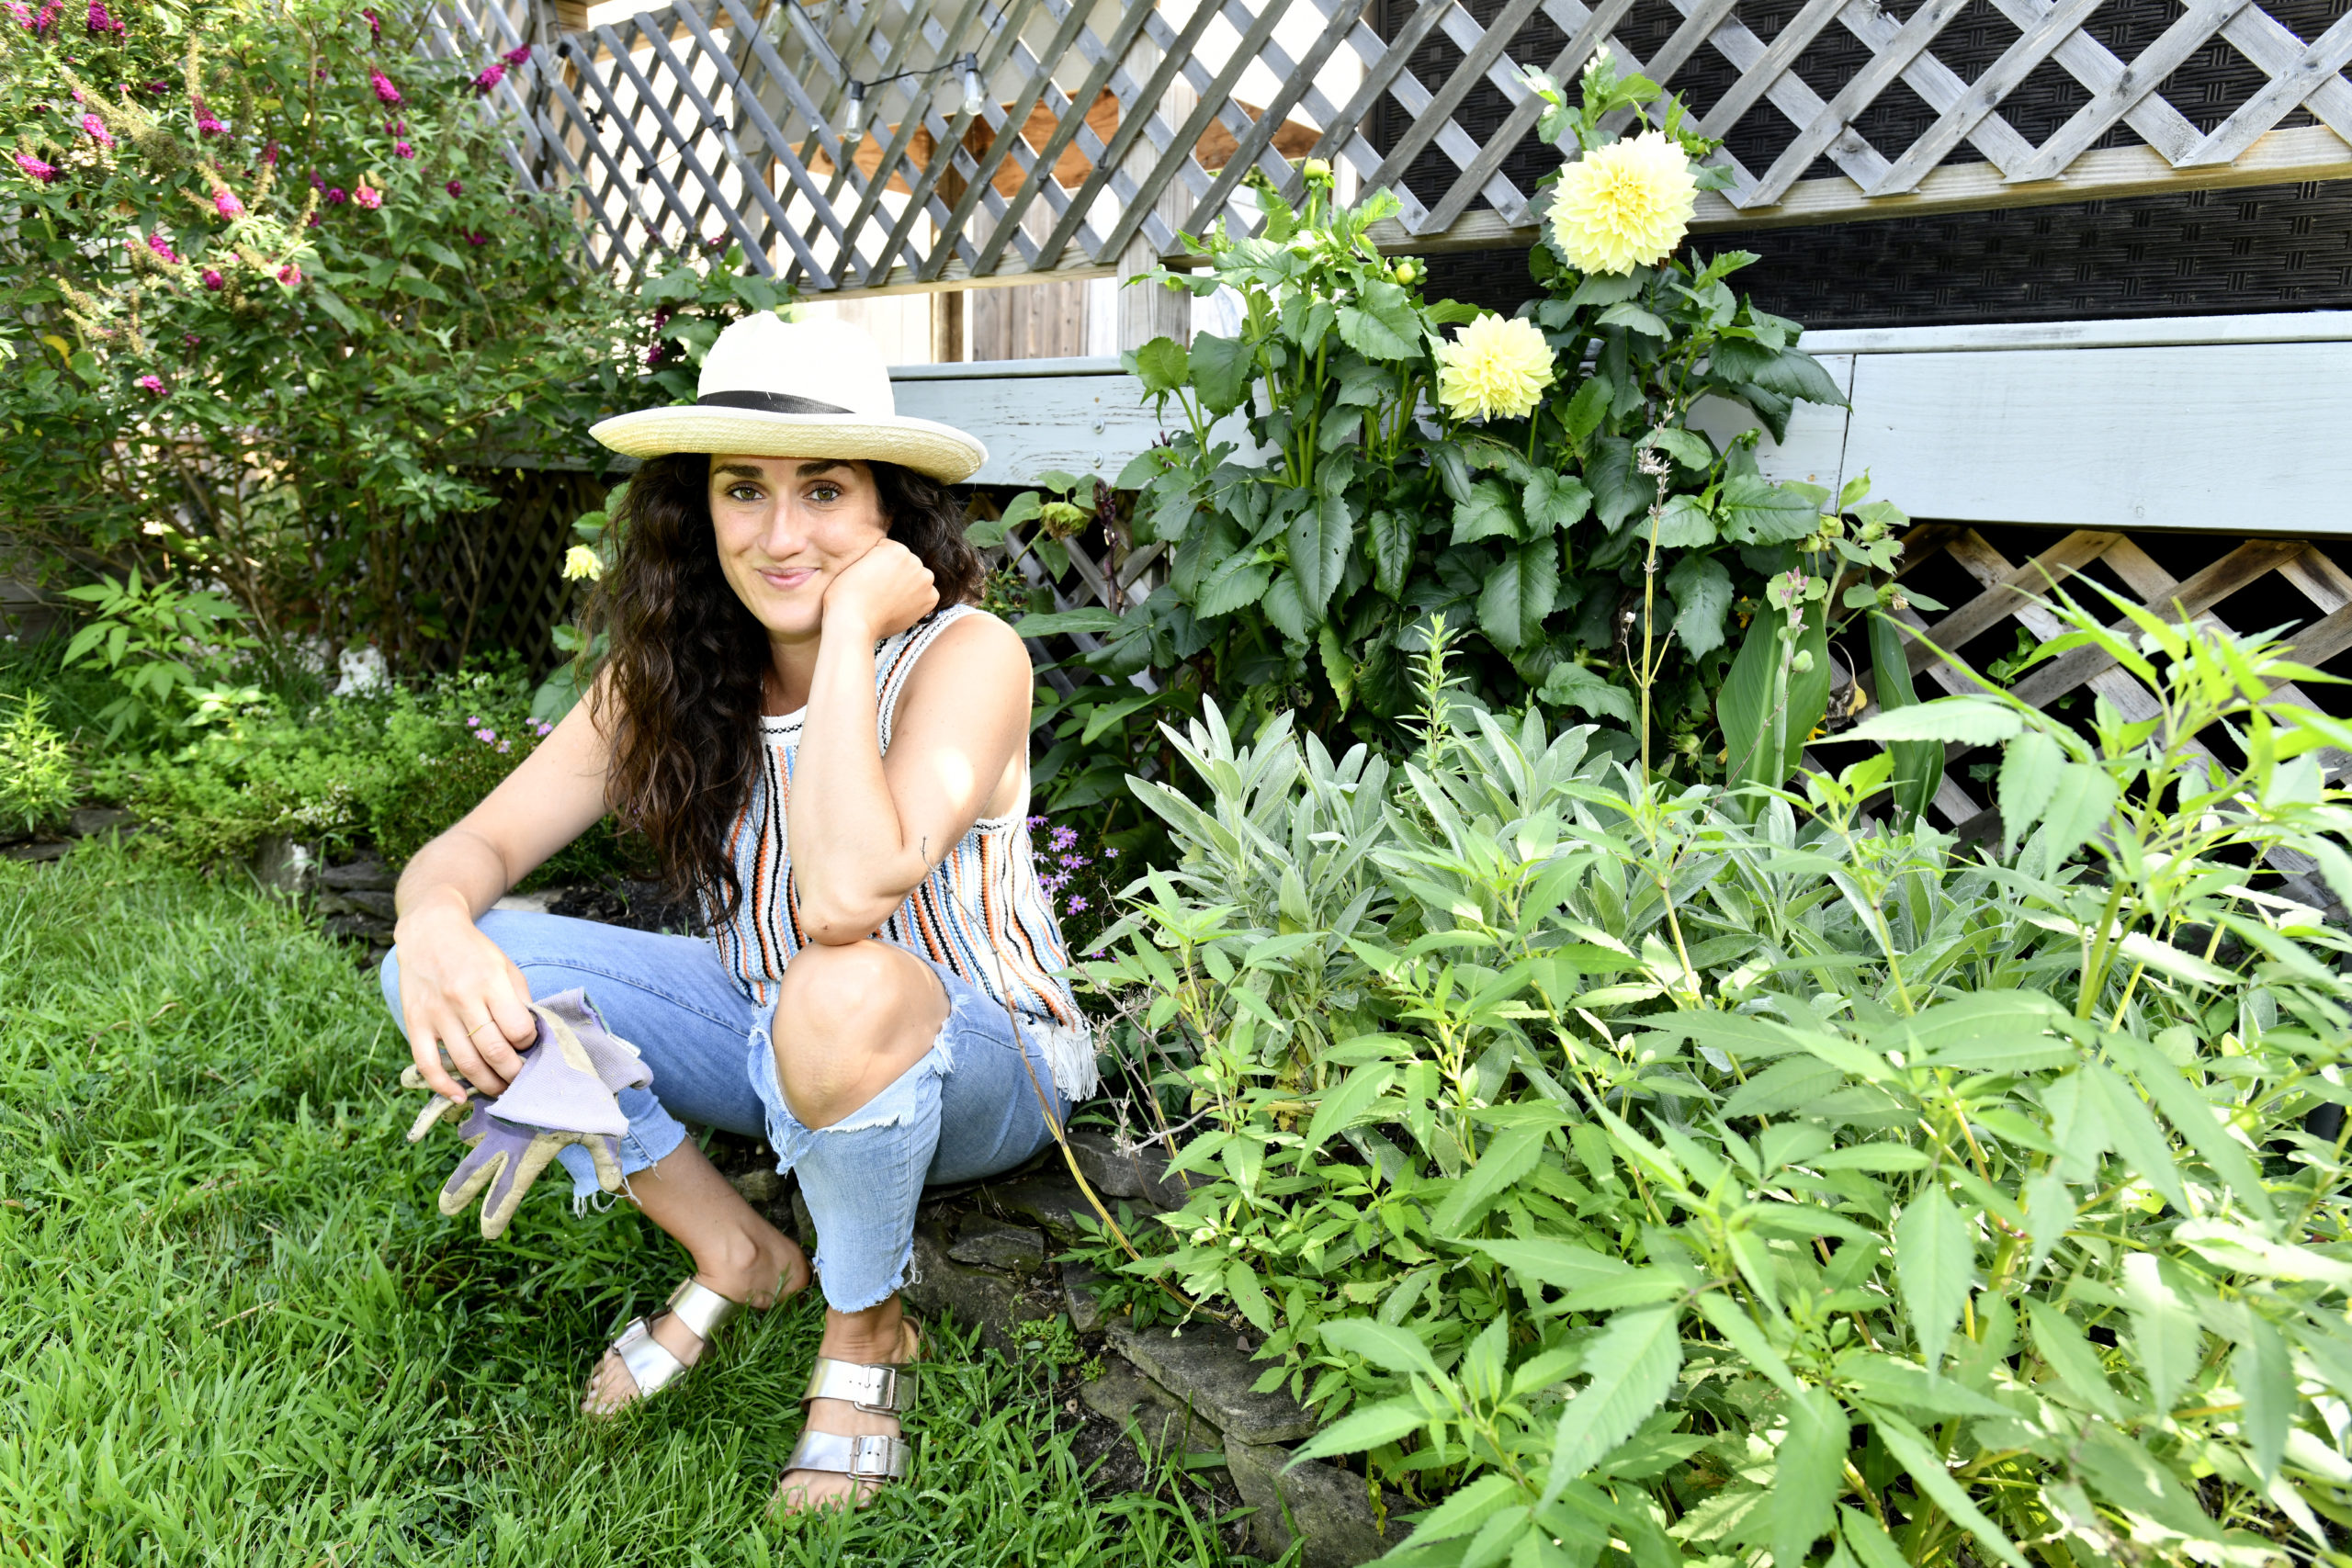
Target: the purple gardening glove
pixel 563 1094
pixel 504 1158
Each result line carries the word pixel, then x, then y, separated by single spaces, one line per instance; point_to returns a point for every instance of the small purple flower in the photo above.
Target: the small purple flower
pixel 34 167
pixel 477 239
pixel 225 202
pixel 403 150
pixel 368 197
pixel 336 197
pixel 150 383
pixel 96 129
pixel 101 22
pixel 455 187
pixel 1065 837
pixel 162 248
pixel 159 87
pixel 385 90
pixel 316 220
pixel 207 122
pixel 1109 854
pixel 473 721
pixel 289 274
pixel 21 12
pixel 492 75
pixel 1077 904
pixel 48 15
pixel 375 25
pixel 316 183
pixel 517 58
pixel 270 154
pixel 213 280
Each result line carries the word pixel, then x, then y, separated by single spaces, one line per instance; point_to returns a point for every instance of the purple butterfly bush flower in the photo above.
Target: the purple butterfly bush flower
pixel 368 197
pixel 375 24
pixel 162 248
pixel 492 75
pixel 477 239
pixel 336 195
pixel 455 187
pixel 225 202
pixel 207 122
pixel 316 220
pixel 101 22
pixel 517 58
pixel 96 129
pixel 383 86
pixel 48 15
pixel 36 169
pixel 150 383
pixel 213 280
pixel 21 12
pixel 289 274
pixel 403 150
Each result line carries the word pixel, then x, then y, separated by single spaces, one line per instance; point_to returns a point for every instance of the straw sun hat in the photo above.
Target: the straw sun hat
pixel 776 388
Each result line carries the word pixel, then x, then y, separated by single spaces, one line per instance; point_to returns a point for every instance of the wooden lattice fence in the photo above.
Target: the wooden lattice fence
pixel 1105 131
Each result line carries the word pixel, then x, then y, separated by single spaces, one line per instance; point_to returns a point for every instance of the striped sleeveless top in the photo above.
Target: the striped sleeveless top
pixel 981 912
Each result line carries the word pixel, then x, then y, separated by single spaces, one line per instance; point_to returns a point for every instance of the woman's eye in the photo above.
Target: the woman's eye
pixel 825 493
pixel 742 493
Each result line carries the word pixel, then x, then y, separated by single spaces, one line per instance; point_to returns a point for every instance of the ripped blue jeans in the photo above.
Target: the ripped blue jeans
pixel 965 1110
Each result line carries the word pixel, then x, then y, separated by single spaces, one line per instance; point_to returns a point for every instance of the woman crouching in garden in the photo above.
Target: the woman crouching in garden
pixel 828 743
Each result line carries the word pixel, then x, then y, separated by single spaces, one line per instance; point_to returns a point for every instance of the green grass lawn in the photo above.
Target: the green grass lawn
pixel 234 1329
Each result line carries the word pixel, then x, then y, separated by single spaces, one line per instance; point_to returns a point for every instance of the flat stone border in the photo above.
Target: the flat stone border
pixel 983 1257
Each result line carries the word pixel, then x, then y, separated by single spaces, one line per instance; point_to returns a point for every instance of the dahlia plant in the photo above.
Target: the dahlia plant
pixel 1360 460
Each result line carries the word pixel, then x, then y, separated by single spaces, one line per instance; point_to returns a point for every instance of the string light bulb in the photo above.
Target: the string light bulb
pixel 974 99
pixel 854 121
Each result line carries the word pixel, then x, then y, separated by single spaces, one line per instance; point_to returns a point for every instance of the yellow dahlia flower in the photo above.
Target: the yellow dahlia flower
pixel 581 561
pixel 1497 366
pixel 1625 205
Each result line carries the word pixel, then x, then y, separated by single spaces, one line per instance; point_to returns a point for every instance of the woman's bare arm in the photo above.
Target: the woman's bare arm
pixel 454 980
pixel 866 829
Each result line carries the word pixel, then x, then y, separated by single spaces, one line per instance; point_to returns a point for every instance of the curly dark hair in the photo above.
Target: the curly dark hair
pixel 686 659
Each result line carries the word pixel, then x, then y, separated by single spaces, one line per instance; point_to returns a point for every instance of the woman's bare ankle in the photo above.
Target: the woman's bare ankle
pixel 757 1267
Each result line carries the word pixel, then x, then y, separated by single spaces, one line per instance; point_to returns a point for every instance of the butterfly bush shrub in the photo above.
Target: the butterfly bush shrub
pixel 1629 1178
pixel 274 302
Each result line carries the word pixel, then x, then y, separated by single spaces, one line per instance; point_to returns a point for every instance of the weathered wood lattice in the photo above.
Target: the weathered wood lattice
pixel 2306 577
pixel 1105 130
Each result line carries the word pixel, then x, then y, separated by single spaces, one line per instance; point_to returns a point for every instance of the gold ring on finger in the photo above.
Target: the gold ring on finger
pixel 478 1027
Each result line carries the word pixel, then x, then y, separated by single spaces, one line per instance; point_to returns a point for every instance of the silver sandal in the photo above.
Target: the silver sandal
pixel 650 1364
pixel 876 1389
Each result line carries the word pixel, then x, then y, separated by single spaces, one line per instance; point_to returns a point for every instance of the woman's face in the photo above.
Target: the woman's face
pixel 787 526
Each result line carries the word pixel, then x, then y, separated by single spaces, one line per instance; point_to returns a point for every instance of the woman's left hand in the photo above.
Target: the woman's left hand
pixel 883 592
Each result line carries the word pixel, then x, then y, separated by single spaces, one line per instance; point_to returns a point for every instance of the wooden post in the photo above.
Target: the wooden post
pixel 947 326
pixel 1147 311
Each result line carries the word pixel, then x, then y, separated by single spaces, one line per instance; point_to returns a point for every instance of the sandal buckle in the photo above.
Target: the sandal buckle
pixel 882 1393
pixel 875 1459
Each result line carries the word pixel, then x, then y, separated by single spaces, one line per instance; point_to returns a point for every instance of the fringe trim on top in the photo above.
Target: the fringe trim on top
pixel 1068 1050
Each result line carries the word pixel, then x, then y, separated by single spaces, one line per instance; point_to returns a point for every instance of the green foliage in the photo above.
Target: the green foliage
pixel 1326 498
pixel 166 648
pixel 36 769
pixel 281 1354
pixel 389 769
pixel 1608 1165
pixel 269 328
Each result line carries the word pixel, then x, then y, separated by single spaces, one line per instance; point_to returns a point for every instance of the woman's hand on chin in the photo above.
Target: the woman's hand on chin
pixel 881 594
